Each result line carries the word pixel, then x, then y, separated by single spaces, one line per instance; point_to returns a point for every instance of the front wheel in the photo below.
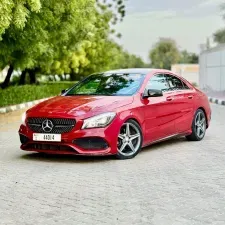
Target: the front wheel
pixel 198 126
pixel 129 140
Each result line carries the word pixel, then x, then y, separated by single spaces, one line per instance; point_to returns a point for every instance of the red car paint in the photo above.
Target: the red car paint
pixel 159 117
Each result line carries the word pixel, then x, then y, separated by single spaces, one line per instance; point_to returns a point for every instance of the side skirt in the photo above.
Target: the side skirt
pixel 166 138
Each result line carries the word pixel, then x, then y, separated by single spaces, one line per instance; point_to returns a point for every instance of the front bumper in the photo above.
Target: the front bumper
pixel 101 141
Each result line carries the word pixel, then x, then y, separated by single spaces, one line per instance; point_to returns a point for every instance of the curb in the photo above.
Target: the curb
pixel 217 101
pixel 21 106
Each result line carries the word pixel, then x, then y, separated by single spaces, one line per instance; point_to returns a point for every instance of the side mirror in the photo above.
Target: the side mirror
pixel 63 91
pixel 153 93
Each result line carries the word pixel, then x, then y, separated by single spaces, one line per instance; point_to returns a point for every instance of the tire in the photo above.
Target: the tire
pixel 198 126
pixel 129 141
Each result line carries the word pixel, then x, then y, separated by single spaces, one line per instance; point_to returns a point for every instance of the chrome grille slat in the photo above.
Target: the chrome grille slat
pixel 60 125
pixel 33 124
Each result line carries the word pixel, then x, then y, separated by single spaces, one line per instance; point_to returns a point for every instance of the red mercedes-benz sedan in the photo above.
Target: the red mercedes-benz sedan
pixel 116 113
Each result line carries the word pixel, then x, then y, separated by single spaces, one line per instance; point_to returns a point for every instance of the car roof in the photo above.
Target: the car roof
pixel 137 70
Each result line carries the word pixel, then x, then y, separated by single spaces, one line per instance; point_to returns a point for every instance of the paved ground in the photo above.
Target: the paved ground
pixel 172 183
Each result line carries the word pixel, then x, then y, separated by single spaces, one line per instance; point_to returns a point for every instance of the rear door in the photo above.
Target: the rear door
pixel 182 103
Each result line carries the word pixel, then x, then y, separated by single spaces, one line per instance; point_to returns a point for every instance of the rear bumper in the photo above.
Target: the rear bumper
pixel 107 144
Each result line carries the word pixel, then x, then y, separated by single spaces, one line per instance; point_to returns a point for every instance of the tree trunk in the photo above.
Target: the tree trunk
pixel 73 76
pixel 7 78
pixel 32 74
pixel 61 77
pixel 23 77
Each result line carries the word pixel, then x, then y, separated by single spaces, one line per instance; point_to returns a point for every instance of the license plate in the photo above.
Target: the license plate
pixel 47 137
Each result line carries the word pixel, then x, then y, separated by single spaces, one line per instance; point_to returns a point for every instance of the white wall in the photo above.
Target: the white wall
pixel 212 69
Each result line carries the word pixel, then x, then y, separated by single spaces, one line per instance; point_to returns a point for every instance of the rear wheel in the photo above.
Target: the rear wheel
pixel 129 140
pixel 198 126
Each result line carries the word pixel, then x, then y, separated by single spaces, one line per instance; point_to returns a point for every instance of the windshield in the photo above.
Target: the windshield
pixel 108 84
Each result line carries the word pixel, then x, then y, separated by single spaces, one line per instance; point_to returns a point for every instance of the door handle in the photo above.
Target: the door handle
pixel 169 99
pixel 190 97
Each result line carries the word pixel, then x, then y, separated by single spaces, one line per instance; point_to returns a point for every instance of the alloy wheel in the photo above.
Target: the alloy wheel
pixel 129 139
pixel 200 124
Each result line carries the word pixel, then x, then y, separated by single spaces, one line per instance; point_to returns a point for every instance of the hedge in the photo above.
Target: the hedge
pixel 19 94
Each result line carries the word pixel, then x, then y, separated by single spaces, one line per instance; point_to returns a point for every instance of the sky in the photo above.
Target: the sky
pixel 188 22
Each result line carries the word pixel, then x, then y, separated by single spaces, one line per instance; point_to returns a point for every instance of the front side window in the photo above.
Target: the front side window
pixel 158 82
pixel 108 84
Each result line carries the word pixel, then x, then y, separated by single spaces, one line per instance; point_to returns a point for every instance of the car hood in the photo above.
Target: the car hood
pixel 80 105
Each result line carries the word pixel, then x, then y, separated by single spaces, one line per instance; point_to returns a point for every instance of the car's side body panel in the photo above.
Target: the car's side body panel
pixel 185 110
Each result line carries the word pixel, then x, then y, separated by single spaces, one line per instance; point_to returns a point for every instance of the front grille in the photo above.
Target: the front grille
pixel 91 143
pixel 59 125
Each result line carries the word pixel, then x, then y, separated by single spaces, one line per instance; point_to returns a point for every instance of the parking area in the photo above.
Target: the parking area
pixel 171 183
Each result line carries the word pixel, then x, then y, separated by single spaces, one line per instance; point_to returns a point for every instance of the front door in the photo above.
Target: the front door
pixel 158 111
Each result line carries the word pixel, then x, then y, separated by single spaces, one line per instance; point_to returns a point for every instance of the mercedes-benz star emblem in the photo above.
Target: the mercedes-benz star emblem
pixel 47 125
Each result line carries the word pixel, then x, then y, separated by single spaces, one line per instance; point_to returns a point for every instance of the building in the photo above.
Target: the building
pixel 189 71
pixel 212 70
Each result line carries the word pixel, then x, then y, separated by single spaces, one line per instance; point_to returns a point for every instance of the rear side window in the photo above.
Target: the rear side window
pixel 185 86
pixel 175 83
pixel 158 82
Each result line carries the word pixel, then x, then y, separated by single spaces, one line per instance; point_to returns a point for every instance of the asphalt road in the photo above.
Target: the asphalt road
pixel 172 183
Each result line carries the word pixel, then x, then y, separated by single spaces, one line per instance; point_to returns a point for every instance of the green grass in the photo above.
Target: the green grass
pixel 18 94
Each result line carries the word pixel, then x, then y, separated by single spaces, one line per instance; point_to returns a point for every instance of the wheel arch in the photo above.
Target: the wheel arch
pixel 134 119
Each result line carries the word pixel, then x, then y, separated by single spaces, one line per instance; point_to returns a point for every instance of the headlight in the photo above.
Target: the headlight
pixel 23 118
pixel 101 120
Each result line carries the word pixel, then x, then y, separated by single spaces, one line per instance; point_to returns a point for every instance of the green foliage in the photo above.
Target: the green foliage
pixel 164 54
pixel 19 94
pixel 117 7
pixel 15 13
pixel 219 36
pixel 188 58
pixel 59 25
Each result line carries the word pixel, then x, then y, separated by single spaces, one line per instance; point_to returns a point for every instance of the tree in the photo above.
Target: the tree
pixel 55 36
pixel 187 57
pixel 58 26
pixel 16 12
pixel 219 36
pixel 93 53
pixel 164 54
